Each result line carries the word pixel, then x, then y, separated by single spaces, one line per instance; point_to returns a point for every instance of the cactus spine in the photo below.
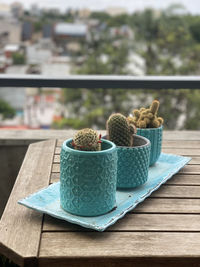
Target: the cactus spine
pixel 147 117
pixel 87 140
pixel 120 130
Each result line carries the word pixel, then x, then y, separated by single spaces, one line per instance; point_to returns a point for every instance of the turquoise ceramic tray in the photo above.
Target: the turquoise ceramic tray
pixel 48 200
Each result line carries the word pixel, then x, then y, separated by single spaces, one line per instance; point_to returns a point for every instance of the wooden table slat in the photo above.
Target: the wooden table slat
pixel 21 227
pixel 169 205
pixel 183 179
pixel 169 191
pixel 164 229
pixel 119 244
pixel 136 222
pixel 182 151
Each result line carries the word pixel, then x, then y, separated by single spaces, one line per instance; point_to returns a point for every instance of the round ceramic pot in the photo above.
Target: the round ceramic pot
pixel 155 137
pixel 88 179
pixel 133 163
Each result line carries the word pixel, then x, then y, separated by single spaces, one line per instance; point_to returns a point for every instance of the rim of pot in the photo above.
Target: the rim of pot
pixel 66 147
pixel 147 142
pixel 153 129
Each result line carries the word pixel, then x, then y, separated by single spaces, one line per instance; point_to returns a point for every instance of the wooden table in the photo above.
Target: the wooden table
pixel 164 230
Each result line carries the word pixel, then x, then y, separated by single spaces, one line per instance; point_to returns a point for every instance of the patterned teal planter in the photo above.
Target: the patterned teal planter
pixel 88 179
pixel 133 163
pixel 155 137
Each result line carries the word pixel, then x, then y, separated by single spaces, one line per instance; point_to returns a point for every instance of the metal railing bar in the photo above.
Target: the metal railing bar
pixel 102 81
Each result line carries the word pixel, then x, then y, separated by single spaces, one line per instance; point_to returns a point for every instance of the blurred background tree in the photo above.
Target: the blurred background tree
pixel 169 43
pixel 6 111
pixel 18 58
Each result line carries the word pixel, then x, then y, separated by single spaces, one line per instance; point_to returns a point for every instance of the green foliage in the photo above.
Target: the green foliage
pixel 38 26
pixel 194 28
pixel 118 21
pixel 179 104
pixel 69 123
pixel 18 58
pixel 6 110
pixel 172 49
pixel 168 41
pixel 86 140
pixel 101 16
pixel 91 107
pixel 193 103
pixel 119 130
pixel 146 25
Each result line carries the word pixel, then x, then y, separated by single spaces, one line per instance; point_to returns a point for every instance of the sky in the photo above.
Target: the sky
pixel 193 6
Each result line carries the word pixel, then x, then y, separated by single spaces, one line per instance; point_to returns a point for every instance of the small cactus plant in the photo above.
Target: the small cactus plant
pixel 120 130
pixel 147 117
pixel 87 140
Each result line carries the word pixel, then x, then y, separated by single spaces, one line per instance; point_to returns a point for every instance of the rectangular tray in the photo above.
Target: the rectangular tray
pixel 48 200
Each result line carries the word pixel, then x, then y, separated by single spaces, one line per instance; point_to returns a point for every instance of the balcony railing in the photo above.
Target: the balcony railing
pixel 15 142
pixel 102 81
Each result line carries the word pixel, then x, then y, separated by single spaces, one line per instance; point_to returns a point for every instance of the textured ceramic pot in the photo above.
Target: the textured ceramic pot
pixel 133 163
pixel 88 179
pixel 155 137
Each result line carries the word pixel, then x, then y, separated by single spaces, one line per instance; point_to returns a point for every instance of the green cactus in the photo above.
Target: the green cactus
pixel 147 117
pixel 141 124
pixel 131 120
pixel 155 123
pixel 87 140
pixel 136 113
pixel 160 119
pixel 120 130
pixel 154 107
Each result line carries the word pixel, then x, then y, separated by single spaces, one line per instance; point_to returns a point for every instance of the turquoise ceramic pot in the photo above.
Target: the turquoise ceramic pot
pixel 155 137
pixel 88 179
pixel 133 163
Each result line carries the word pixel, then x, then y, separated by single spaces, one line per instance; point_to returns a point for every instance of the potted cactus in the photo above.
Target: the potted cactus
pixel 149 125
pixel 133 152
pixel 88 170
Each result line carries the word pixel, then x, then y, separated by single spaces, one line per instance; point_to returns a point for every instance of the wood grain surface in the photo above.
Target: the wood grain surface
pixel 20 228
pixel 119 244
pixel 164 230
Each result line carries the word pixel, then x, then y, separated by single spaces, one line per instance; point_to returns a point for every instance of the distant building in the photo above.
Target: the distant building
pixel 35 10
pixel 10 49
pixel 27 31
pixel 69 30
pixel 3 64
pixel 116 11
pixel 35 55
pixel 41 107
pixel 10 33
pixel 17 9
pixel 46 44
pixel 123 31
pixel 47 31
pixel 51 10
pixel 65 33
pixel 84 13
pixel 5 11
